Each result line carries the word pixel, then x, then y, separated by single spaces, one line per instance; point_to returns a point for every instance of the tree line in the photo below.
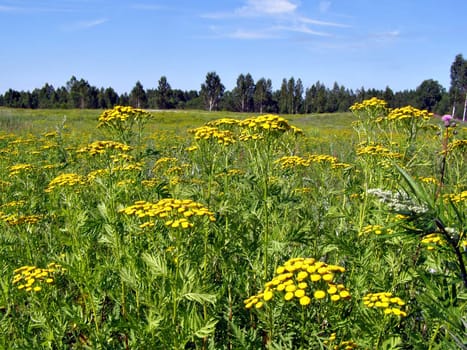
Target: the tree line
pixel 246 96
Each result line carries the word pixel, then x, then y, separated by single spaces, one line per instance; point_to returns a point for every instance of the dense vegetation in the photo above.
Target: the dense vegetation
pixel 247 96
pixel 195 230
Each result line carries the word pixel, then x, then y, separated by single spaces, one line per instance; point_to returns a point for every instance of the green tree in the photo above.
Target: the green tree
pixel 458 90
pixel 263 94
pixel 79 93
pixel 428 94
pixel 138 98
pixel 212 90
pixel 243 93
pixel 164 94
pixel 298 97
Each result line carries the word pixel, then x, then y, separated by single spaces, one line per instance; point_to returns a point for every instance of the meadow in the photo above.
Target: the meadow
pixel 132 229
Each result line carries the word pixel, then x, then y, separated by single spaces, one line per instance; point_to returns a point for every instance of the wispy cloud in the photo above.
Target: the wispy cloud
pixel 31 9
pixel 278 17
pixel 301 28
pixel 83 25
pixel 250 34
pixel 321 23
pixel 266 7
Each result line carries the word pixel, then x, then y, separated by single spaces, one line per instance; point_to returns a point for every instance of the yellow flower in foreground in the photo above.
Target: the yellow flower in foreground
pixel 300 279
pixel 319 294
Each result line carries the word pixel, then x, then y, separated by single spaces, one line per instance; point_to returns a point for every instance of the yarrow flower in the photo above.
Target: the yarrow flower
pixel 302 279
pixel 399 202
pixel 32 278
pixel 176 212
pixel 390 304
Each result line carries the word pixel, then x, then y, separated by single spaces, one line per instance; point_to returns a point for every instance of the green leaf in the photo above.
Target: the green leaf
pixel 156 264
pixel 207 330
pixel 200 297
pixel 415 187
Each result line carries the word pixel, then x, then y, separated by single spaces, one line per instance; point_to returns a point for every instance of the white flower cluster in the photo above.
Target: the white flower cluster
pixel 399 202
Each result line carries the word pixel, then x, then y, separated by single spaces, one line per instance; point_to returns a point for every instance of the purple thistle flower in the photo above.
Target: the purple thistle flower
pixel 446 119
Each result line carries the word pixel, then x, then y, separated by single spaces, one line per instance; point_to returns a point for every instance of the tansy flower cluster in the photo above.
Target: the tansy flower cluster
pixel 408 112
pixel 344 345
pixel 177 212
pixel 376 229
pixel 377 150
pixel 13 219
pixel 386 301
pixel 206 132
pixel 428 180
pixel 292 161
pixel 223 121
pixel 100 147
pixel 372 103
pixel 460 145
pixel 456 197
pixel 432 240
pixel 301 279
pixel 31 278
pixel 269 122
pixel 19 168
pixel 66 180
pixel 121 115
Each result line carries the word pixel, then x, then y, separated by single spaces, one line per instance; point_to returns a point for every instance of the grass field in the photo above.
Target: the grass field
pixel 124 229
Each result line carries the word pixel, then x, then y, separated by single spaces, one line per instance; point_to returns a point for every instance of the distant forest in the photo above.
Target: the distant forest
pixel 247 95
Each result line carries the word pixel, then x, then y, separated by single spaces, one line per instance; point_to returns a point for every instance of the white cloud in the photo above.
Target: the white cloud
pixel 322 23
pixel 267 7
pixel 246 34
pixel 302 29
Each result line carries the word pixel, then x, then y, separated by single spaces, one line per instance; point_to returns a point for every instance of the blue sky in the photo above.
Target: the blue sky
pixel 370 43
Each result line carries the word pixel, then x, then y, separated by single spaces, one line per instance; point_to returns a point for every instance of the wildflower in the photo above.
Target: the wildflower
pixel 305 300
pixel 176 210
pixel 101 147
pixel 300 279
pixel 408 112
pixel 376 229
pixel 446 120
pixel 456 197
pixel 120 115
pixel 386 301
pixel 223 137
pixel 33 277
pixel 319 294
pixel 66 180
pixel 399 202
pixel 268 123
